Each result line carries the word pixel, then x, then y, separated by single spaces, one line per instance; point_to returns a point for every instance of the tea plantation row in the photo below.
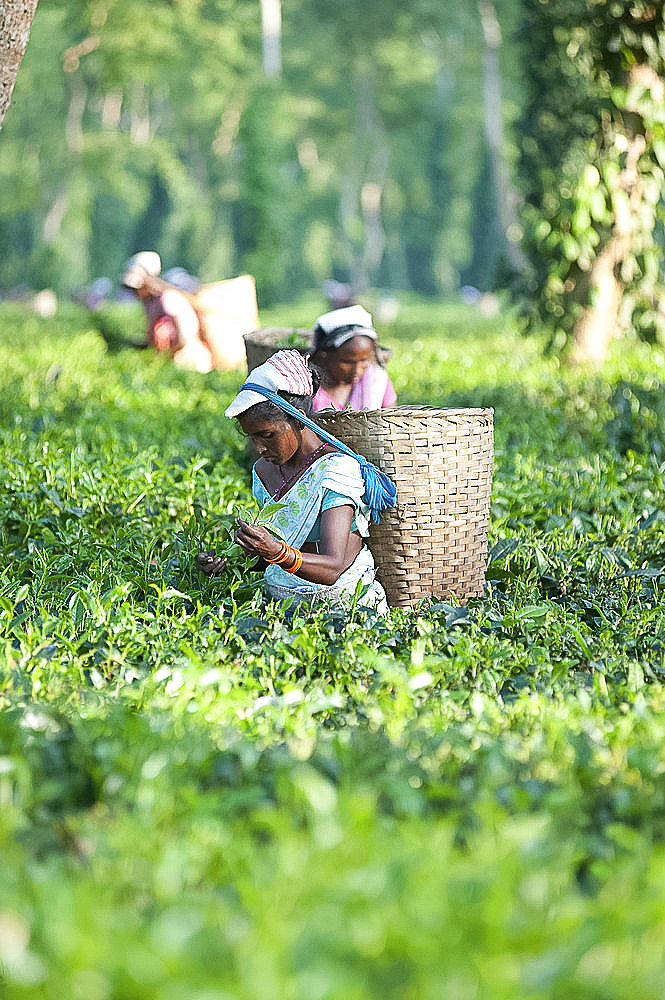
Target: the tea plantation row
pixel 203 799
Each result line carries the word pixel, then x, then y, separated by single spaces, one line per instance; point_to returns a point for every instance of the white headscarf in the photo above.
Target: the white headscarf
pixel 286 371
pixel 334 328
pixel 146 264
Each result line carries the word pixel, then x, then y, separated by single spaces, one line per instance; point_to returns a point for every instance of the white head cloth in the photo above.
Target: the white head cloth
pixel 336 327
pixel 146 264
pixel 286 371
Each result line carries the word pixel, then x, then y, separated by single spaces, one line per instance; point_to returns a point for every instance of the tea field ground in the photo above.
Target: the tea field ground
pixel 203 800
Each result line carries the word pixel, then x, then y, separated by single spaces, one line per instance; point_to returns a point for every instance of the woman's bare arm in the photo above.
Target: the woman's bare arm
pixel 338 547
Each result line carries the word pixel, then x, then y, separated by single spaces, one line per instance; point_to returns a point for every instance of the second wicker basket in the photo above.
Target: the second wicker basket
pixel 434 544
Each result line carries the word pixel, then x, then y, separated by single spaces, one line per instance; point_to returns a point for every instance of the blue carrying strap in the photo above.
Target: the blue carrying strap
pixel 380 490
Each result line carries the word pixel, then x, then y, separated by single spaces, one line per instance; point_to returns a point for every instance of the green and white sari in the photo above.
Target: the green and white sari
pixel 334 480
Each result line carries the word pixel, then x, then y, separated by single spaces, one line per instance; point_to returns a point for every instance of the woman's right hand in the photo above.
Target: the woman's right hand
pixel 209 563
pixel 257 541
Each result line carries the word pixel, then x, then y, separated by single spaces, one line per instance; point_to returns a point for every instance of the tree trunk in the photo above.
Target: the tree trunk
pixel 15 21
pixel 599 321
pixel 597 324
pixel 493 118
pixel 271 32
pixel 362 190
pixel 75 142
pixel 370 128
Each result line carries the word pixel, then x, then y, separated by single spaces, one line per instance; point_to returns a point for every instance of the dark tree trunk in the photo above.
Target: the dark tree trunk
pixel 15 20
pixel 506 198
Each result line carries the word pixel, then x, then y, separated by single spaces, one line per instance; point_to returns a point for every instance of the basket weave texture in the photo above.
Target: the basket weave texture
pixel 262 344
pixel 434 543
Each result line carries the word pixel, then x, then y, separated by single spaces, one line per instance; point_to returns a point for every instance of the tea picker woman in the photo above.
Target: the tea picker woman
pixel 345 347
pixel 173 324
pixel 322 494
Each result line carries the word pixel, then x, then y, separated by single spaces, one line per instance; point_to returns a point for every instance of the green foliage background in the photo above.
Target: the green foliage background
pixel 203 799
pixel 370 159
pixel 151 125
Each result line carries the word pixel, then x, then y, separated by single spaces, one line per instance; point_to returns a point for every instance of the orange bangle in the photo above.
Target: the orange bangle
pixel 281 555
pixel 284 555
pixel 297 561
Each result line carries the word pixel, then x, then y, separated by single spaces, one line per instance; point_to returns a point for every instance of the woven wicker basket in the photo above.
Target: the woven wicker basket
pixel 262 344
pixel 434 544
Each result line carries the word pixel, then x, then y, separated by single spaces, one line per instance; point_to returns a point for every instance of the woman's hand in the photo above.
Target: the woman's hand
pixel 209 563
pixel 337 548
pixel 257 541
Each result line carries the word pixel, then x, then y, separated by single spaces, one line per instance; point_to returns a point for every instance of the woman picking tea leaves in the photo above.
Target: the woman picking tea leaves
pixel 321 495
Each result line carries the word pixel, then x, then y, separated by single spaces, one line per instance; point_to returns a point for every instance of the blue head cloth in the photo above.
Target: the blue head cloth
pixel 380 490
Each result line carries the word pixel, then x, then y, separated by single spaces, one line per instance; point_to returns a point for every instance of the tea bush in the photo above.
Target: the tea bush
pixel 204 799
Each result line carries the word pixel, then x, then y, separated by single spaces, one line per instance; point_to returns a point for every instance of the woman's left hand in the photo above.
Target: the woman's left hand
pixel 257 541
pixel 209 563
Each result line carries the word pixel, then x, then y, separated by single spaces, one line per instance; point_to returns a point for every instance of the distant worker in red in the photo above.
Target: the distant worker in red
pixel 173 324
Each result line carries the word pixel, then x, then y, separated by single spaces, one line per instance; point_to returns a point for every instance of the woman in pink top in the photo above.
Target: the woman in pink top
pixel 344 346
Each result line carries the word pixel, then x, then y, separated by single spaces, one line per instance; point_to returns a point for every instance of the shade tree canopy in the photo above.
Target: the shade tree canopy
pixel 386 152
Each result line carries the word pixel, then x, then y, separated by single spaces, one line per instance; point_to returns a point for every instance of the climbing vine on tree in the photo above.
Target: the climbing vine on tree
pixel 592 161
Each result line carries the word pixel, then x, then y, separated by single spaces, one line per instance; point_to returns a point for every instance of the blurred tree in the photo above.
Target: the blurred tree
pixel 15 21
pixel 504 218
pixel 396 129
pixel 130 123
pixel 593 173
pixel 262 211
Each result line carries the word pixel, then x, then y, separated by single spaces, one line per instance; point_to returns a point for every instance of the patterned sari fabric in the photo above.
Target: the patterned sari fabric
pixel 296 517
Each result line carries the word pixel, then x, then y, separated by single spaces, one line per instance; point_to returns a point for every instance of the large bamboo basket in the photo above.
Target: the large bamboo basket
pixel 434 544
pixel 262 344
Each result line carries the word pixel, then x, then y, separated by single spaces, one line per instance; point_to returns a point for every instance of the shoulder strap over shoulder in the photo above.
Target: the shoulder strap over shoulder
pixel 380 490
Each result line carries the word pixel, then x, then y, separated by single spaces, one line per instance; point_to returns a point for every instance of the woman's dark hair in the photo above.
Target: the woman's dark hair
pixel 271 411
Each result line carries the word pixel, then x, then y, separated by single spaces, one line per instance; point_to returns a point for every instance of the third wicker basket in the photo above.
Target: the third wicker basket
pixel 262 344
pixel 434 543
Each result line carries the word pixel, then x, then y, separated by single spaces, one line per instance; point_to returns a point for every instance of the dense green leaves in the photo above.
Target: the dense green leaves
pixel 203 796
